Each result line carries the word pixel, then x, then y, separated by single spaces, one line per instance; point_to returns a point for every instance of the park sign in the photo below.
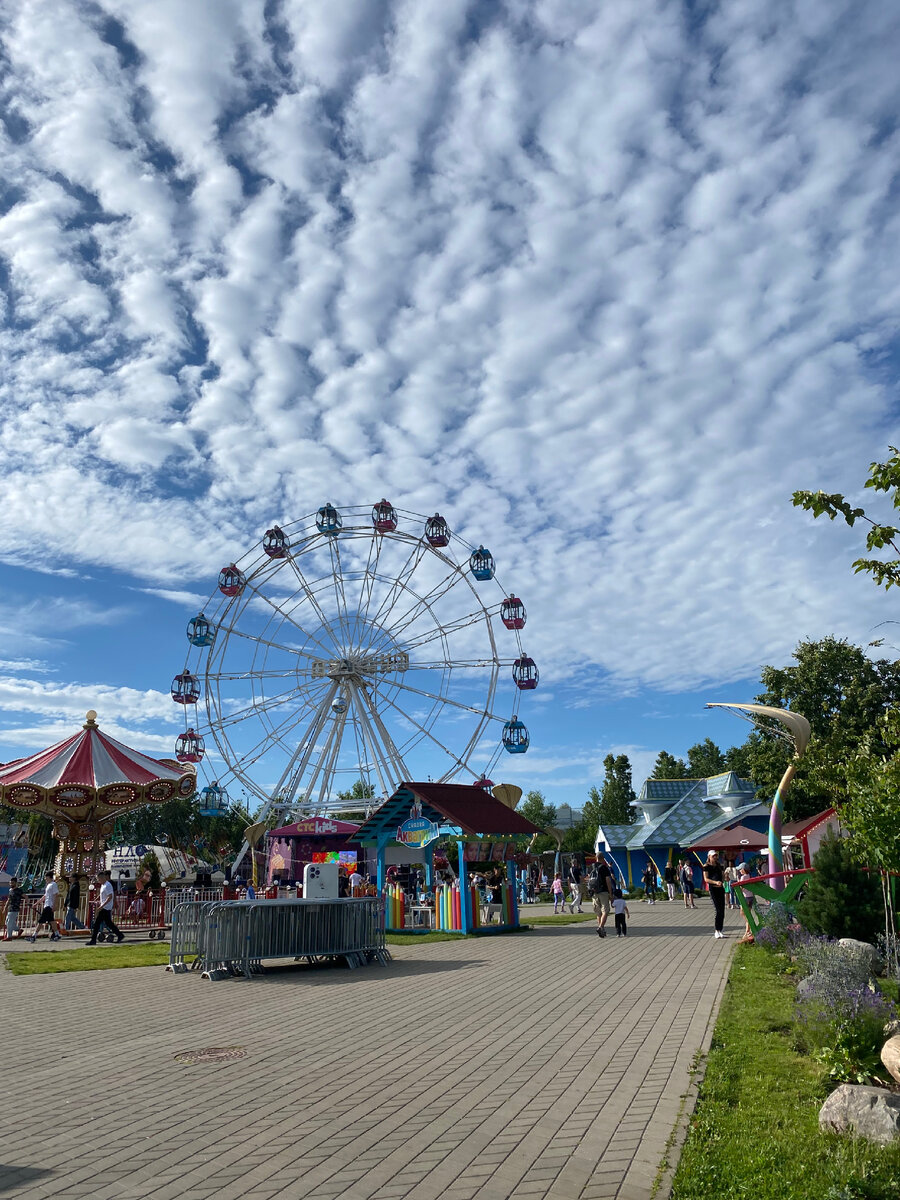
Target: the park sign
pixel 417 832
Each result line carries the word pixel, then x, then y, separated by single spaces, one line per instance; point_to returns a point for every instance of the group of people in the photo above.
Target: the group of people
pixel 722 881
pixel 47 915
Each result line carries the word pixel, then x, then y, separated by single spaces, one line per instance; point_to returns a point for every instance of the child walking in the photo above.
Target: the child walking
pixel 620 908
pixel 559 896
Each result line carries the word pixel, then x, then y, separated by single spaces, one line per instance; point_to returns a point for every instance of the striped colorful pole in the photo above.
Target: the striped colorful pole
pixel 776 824
pixel 457 909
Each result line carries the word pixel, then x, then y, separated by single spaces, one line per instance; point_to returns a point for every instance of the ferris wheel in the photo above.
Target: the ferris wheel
pixel 368 644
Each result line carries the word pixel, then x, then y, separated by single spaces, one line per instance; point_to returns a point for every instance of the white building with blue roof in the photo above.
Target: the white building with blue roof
pixel 673 814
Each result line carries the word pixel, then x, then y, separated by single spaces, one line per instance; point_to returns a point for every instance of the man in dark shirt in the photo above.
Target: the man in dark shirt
pixel 602 886
pixel 73 900
pixel 13 908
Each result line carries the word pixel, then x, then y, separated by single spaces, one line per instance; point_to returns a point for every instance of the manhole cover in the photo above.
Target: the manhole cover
pixel 210 1054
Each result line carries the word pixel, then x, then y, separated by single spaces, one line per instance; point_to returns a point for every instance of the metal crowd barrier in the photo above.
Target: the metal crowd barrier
pixel 233 937
pixel 188 934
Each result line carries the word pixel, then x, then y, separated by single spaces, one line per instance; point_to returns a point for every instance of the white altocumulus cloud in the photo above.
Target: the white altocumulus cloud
pixel 604 283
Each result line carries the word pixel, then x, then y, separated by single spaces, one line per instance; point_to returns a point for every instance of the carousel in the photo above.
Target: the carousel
pixel 83 784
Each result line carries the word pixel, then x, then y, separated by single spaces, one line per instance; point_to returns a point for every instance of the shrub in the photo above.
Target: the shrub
pixel 841 900
pixel 846 1033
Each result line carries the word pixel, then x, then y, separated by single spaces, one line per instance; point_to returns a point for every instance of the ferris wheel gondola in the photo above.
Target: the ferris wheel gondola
pixel 369 643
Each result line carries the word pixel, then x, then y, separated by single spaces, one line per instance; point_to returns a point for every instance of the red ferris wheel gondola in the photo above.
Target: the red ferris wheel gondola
pixel 274 543
pixel 437 531
pixel 512 613
pixel 525 673
pixel 384 517
pixel 231 580
pixel 185 688
pixel 189 747
pixel 484 783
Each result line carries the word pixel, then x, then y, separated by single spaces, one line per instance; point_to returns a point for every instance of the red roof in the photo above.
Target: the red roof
pixel 315 827
pixel 472 809
pixel 806 824
pixel 738 838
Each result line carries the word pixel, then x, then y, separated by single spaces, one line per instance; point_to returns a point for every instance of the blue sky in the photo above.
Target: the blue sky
pixel 602 283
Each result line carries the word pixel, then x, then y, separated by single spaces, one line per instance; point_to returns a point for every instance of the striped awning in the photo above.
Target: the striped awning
pixel 90 766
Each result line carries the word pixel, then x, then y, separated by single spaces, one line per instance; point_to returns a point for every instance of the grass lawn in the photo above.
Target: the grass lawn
pixel 754 1134
pixel 47 962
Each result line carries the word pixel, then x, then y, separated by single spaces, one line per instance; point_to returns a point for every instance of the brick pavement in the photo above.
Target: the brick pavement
pixel 549 1065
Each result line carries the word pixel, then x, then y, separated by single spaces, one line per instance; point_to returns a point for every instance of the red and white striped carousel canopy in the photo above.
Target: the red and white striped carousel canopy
pixel 92 762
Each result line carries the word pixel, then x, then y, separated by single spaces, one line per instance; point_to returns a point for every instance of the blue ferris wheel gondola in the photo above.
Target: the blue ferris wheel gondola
pixel 199 631
pixel 213 801
pixel 328 521
pixel 515 737
pixel 481 564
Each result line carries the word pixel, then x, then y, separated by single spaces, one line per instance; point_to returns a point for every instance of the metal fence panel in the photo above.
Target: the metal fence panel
pixel 233 937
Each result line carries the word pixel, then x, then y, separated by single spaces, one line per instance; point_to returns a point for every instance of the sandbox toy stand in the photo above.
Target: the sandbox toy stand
pixel 418 815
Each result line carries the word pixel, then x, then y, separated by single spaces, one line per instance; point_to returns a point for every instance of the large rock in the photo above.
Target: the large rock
pixel 890 1056
pixel 863 950
pixel 872 1113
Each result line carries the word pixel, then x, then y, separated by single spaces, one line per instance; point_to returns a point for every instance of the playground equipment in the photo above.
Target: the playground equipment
pixel 794 729
pixel 368 643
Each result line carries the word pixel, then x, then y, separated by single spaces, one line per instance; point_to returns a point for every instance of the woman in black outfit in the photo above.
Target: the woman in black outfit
pixel 714 878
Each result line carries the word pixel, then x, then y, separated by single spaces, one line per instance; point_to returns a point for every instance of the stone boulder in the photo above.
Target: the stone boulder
pixel 890 1056
pixel 863 950
pixel 872 1113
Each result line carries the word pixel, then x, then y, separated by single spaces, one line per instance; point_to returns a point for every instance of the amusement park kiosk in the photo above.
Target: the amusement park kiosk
pixel 311 840
pixel 420 817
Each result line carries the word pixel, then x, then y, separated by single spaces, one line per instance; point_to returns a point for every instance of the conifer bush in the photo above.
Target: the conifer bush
pixel 841 899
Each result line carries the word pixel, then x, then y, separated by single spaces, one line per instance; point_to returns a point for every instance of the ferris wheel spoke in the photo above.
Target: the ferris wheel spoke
pixel 427 732
pixel 423 603
pixel 332 743
pixel 340 596
pixel 453 626
pixel 458 664
pixel 313 599
pixel 233 676
pixel 276 734
pixel 478 712
pixel 233 631
pixel 369 579
pixel 371 722
pixel 401 582
pixel 327 651
pixel 299 760
pixel 273 702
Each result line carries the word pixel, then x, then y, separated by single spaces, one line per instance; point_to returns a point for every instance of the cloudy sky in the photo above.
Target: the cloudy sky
pixel 602 282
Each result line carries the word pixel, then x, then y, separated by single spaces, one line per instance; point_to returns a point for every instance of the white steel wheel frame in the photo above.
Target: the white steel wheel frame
pixel 354 653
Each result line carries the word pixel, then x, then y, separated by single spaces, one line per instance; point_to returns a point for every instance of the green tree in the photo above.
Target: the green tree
pixel 667 766
pixel 617 793
pixel 150 863
pixel 842 693
pixel 360 791
pixel 591 814
pixel 841 899
pixel 705 759
pixel 883 477
pixel 536 809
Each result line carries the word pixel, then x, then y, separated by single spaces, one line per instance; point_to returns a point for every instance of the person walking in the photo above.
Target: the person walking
pixel 670 878
pixel 686 876
pixel 621 910
pixel 559 895
pixel 48 910
pixel 574 886
pixel 73 900
pixel 714 878
pixel 648 879
pixel 14 900
pixel 602 889
pixel 104 911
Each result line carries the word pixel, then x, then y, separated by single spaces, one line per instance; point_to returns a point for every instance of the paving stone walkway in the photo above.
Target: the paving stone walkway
pixel 549 1064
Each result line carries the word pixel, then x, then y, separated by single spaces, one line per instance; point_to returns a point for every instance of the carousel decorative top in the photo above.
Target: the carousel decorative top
pixel 91 773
